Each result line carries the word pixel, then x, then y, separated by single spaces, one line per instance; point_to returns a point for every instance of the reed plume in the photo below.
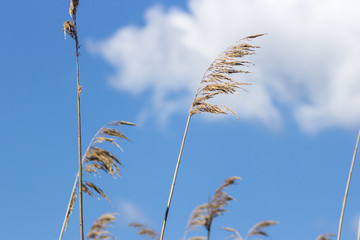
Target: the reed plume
pixel 217 80
pixel 98 229
pixel 143 230
pixel 235 234
pixel 203 215
pixel 256 230
pixel 95 159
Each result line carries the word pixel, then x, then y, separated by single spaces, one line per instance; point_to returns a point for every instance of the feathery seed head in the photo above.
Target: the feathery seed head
pixel 70 28
pixel 217 78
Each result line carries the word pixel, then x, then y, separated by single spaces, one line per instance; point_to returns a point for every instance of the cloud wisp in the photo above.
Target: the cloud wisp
pixel 130 213
pixel 307 63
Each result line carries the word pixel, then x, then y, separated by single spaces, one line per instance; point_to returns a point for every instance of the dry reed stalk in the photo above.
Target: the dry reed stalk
pixel 96 159
pixel 70 27
pixel 98 229
pixel 347 187
pixel 216 81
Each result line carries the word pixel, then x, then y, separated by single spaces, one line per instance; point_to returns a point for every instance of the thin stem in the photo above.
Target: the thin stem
pixel 174 179
pixel 79 144
pixel 347 188
pixel 79 132
pixel 208 232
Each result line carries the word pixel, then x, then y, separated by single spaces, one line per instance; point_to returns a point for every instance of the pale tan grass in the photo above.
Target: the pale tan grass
pixel 143 230
pixel 235 234
pixel 204 215
pixel 258 229
pixel 96 158
pixel 98 229
pixel 217 80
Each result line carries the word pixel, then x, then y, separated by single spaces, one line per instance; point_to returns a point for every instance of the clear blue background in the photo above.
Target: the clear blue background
pixel 289 176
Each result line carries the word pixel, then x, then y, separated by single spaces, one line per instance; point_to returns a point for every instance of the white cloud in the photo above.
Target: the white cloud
pixel 130 213
pixel 308 61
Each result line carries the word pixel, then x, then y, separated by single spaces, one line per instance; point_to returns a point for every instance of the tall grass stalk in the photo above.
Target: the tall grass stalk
pixel 79 138
pixel 70 27
pixel 347 187
pixel 174 178
pixel 95 159
pixel 215 81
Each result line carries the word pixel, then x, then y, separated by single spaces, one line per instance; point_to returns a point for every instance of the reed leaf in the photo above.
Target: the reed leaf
pixel 98 229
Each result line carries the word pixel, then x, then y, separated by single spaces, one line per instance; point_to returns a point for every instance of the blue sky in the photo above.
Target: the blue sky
pixel 141 61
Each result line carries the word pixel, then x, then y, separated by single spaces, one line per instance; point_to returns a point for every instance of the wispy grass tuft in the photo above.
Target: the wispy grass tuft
pixel 256 230
pixel 98 229
pixel 143 230
pixel 217 80
pixel 204 215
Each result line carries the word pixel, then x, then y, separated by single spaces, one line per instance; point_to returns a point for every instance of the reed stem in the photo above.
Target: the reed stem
pixel 347 188
pixel 79 141
pixel 174 178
